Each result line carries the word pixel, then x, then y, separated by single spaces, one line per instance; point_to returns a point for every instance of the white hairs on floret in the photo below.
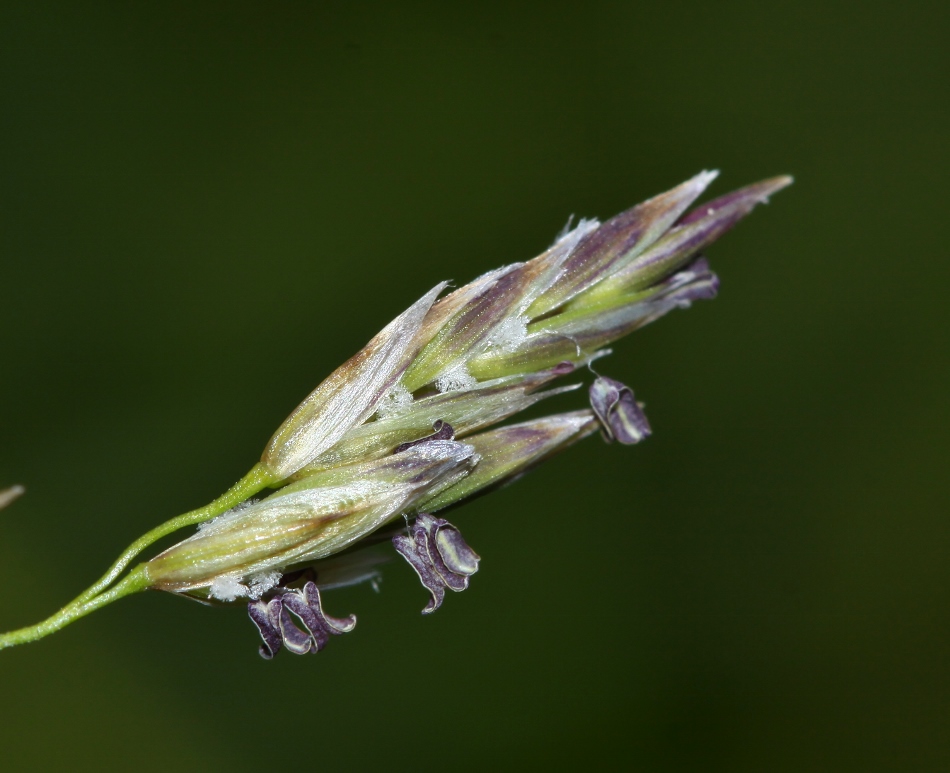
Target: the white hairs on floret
pixel 227 587
pixel 455 379
pixel 260 583
pixel 396 400
pixel 509 334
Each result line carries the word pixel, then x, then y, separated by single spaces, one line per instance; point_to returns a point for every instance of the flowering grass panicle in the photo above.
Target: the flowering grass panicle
pixel 407 426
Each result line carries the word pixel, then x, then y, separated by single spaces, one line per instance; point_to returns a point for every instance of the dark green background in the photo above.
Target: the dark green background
pixel 205 208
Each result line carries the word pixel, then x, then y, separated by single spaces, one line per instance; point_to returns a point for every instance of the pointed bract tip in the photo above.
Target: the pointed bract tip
pixel 742 200
pixel 687 192
pixel 349 395
pixel 771 186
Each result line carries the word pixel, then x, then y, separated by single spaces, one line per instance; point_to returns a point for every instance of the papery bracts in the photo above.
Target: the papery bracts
pixel 409 426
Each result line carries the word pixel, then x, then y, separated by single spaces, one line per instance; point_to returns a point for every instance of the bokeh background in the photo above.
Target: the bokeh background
pixel 205 208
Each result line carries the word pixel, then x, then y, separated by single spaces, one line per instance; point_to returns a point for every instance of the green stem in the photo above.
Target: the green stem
pixel 258 478
pixel 134 582
pixel 98 596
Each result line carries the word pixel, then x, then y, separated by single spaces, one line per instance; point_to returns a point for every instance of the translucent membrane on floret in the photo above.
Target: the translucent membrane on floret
pixel 350 395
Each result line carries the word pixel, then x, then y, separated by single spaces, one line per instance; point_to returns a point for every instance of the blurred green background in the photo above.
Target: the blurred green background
pixel 205 208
